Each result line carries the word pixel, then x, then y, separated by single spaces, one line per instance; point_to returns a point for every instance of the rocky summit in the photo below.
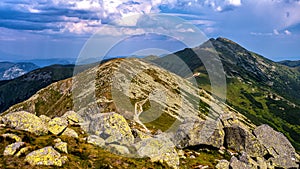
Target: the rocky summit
pixel 130 113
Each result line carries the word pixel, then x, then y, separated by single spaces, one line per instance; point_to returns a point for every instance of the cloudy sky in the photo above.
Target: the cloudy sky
pixel 60 28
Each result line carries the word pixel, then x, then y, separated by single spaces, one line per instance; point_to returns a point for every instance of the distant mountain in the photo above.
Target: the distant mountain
pixel 290 63
pixel 51 61
pixel 21 88
pixel 293 64
pixel 9 70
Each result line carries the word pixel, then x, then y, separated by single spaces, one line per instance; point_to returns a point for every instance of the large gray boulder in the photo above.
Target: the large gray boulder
pixel 197 132
pixel 25 121
pixel 282 153
pixel 112 127
pixel 240 139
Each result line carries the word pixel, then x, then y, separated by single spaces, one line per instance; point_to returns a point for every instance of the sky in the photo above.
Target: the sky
pixel 43 29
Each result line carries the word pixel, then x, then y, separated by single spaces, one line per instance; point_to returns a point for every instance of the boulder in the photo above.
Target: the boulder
pixel 196 132
pixel 112 127
pixel 237 164
pixel 73 117
pixel 240 139
pixel 70 133
pixel 25 121
pixel 281 152
pixel 12 148
pixel 12 136
pixel 118 149
pixel 222 164
pixel 96 140
pixel 57 125
pixel 46 156
pixel 158 149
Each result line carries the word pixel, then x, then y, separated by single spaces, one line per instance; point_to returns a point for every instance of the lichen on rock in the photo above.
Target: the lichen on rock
pixel 112 127
pixel 13 148
pixel 57 125
pixel 46 156
pixel 25 121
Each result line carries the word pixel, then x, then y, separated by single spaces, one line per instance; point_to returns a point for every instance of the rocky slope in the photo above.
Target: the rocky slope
pixel 136 109
pixel 10 70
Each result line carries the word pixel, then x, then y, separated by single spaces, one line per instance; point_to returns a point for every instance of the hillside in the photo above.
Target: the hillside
pixel 136 109
pixel 23 87
pixel 264 91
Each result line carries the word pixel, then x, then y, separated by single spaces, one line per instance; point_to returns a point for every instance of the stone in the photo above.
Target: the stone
pixel 25 121
pixel 73 117
pixel 112 127
pixel 237 164
pixel 70 133
pixel 57 125
pixel 46 156
pixel 240 139
pixel 195 132
pixel 282 153
pixel 158 149
pixel 96 140
pixel 12 148
pixel 12 136
pixel 222 164
pixel 62 147
pixel 118 149
pixel 22 151
pixel 45 119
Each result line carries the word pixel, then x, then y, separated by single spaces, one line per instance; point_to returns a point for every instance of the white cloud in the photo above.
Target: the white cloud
pixel 234 2
pixel 276 32
pixel 287 32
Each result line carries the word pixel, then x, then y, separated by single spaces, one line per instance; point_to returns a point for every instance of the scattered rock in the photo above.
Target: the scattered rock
pixel 12 148
pixel 282 153
pixel 195 132
pixel 57 125
pixel 70 133
pixel 118 149
pixel 96 140
pixel 73 117
pixel 45 156
pixel 62 147
pixel 158 149
pixel 223 164
pixel 25 121
pixel 12 136
pixel 112 127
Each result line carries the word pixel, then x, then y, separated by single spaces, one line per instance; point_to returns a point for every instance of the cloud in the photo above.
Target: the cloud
pixel 287 32
pixel 275 31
